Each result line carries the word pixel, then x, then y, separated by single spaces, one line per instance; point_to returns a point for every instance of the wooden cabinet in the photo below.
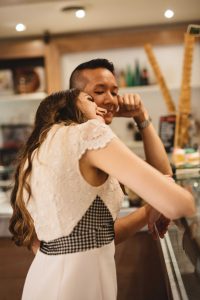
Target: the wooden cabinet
pixel 15 262
pixel 35 52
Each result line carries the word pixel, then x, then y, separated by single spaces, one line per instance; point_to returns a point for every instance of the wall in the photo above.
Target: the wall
pixel 170 59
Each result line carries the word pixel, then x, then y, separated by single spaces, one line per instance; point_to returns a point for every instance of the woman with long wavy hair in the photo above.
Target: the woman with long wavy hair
pixel 58 108
pixel 67 194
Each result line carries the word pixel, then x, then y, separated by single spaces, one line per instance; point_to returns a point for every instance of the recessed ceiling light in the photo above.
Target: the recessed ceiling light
pixel 78 10
pixel 80 13
pixel 20 27
pixel 169 14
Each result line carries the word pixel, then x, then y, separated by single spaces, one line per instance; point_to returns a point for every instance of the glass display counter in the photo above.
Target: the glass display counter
pixel 181 245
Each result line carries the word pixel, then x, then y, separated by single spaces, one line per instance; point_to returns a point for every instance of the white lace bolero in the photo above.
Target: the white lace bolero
pixel 60 195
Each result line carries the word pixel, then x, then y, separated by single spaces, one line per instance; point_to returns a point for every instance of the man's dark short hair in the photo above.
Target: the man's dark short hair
pixel 91 64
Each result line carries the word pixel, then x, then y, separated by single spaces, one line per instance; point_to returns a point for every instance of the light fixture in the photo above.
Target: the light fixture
pixel 20 27
pixel 80 13
pixel 195 184
pixel 169 14
pixel 78 10
pixel 194 29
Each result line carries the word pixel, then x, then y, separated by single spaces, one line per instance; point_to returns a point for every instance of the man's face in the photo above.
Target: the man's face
pixel 102 86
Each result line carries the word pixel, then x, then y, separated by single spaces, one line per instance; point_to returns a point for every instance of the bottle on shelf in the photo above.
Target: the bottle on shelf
pixel 129 76
pixel 137 74
pixel 122 79
pixel 144 77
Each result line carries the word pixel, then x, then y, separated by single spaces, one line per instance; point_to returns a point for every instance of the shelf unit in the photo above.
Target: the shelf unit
pixel 152 98
pixel 22 53
pixel 22 97
pixel 151 88
pixel 19 109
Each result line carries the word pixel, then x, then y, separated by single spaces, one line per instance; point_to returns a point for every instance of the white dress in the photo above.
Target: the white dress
pixel 74 220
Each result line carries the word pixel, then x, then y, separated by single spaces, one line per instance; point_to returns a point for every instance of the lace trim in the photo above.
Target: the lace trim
pixel 95 135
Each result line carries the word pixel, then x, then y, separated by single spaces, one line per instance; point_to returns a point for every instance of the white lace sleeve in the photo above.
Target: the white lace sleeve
pixel 94 135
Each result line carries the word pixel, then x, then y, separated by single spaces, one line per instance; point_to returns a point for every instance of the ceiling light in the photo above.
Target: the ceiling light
pixel 80 13
pixel 20 27
pixel 78 10
pixel 169 14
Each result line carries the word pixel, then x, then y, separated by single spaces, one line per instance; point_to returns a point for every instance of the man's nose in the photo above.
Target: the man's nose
pixel 110 99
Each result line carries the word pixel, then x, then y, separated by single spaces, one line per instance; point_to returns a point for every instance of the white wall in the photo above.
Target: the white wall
pixel 170 59
pixel 153 101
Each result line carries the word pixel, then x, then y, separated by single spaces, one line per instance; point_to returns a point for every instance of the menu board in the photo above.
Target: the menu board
pixel 167 131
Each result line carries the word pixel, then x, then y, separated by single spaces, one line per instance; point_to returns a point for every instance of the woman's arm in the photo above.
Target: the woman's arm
pixel 166 196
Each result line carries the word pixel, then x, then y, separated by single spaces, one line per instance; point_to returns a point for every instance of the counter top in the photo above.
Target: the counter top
pixel 182 262
pixel 5 209
pixel 5 214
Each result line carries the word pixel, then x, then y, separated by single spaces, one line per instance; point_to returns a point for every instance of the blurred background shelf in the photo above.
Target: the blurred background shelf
pixel 23 97
pixel 151 88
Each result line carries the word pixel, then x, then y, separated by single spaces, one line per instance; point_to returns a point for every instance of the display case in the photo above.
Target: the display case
pixel 181 246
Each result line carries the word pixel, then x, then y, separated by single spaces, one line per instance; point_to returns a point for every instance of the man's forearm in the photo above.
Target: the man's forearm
pixel 127 226
pixel 154 150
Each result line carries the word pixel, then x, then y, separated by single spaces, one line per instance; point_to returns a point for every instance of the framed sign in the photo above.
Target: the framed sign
pixel 167 131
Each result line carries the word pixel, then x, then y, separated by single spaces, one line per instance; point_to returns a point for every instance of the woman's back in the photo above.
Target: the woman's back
pixel 73 220
pixel 60 194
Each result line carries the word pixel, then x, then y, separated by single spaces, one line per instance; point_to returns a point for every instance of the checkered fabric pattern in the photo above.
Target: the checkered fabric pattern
pixel 94 230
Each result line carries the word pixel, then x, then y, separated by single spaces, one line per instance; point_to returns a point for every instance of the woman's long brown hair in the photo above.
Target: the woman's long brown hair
pixel 56 108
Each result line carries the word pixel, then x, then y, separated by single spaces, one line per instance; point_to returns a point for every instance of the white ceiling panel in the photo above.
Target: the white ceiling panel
pixel 46 15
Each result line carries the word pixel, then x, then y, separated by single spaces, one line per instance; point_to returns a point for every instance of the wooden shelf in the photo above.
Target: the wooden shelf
pixel 150 88
pixel 22 97
pixel 145 88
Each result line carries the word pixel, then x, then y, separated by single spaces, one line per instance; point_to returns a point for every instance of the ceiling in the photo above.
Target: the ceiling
pixel 46 15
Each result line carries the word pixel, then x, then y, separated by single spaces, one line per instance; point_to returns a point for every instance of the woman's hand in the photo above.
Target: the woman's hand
pixel 89 108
